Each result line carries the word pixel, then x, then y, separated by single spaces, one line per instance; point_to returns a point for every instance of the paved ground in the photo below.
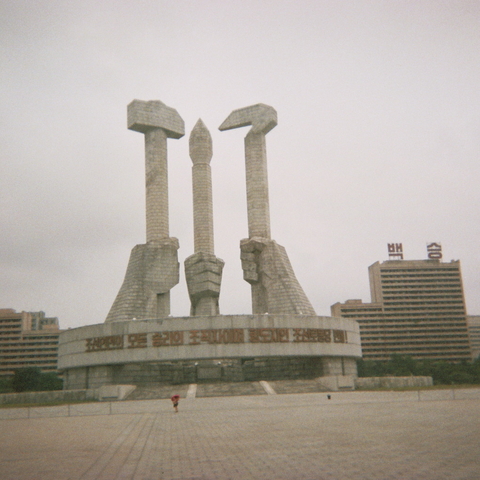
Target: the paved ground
pixel 354 435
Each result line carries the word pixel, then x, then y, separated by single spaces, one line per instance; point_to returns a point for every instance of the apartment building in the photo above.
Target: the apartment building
pixel 417 308
pixel 27 339
pixel 473 322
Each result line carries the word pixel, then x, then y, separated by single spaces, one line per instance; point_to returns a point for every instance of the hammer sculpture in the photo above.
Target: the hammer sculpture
pixel 158 122
pixel 153 268
pixel 265 264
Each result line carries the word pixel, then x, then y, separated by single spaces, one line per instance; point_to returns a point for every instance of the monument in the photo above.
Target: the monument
pixel 141 343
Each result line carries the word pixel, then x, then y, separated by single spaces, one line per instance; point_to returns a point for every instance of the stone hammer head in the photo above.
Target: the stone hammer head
pixel 261 117
pixel 143 116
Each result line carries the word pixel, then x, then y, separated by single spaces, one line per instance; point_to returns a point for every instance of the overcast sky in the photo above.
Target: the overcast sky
pixel 378 140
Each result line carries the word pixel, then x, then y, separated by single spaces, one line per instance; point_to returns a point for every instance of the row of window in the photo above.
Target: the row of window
pixel 14 363
pixel 419 272
pixel 410 317
pixel 405 306
pixel 416 320
pixel 421 296
pixel 422 277
pixel 410 331
pixel 451 279
pixel 26 353
pixel 425 269
pixel 415 313
pixel 396 340
pixel 420 286
pixel 397 285
pixel 52 353
pixel 425 348
pixel 43 364
pixel 419 302
pixel 383 356
pixel 28 346
pixel 414 327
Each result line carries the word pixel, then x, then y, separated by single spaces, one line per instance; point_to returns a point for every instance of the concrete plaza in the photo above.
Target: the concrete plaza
pixel 354 435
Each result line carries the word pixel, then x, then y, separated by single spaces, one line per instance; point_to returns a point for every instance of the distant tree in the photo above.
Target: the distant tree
pixel 424 367
pixel 443 373
pixel 26 379
pixel 370 368
pixel 474 370
pixel 6 385
pixel 50 381
pixel 401 365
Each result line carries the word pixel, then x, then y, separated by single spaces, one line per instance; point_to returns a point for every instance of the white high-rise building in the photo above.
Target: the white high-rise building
pixel 417 308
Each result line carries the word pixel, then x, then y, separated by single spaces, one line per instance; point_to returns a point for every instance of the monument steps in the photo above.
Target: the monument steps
pixel 223 389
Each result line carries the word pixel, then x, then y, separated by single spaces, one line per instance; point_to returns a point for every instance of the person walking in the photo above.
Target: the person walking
pixel 175 399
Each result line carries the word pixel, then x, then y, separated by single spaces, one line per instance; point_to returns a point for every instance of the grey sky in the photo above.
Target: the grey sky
pixel 378 139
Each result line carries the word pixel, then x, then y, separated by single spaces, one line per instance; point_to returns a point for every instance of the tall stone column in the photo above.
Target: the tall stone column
pixel 201 154
pixel 265 264
pixel 258 203
pixel 203 270
pixel 156 184
pixel 153 269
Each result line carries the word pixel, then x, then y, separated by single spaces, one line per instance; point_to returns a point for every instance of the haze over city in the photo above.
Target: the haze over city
pixel 378 140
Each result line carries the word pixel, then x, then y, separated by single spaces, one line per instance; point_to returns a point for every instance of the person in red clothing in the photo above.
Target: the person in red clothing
pixel 175 399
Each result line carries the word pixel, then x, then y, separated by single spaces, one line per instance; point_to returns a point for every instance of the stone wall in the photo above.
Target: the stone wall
pixel 47 397
pixel 392 382
pixel 106 392
pixel 208 348
pixel 208 337
pixel 221 369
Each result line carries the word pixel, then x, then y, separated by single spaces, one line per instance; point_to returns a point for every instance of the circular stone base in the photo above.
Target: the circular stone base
pixel 209 348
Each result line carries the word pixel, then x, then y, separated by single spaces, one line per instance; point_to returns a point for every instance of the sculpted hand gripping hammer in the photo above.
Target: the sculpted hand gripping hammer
pixel 153 268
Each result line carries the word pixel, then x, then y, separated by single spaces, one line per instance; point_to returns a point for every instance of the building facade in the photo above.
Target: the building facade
pixel 474 330
pixel 27 339
pixel 417 308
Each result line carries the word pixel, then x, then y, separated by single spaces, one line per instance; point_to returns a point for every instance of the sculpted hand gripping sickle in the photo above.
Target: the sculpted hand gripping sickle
pixel 265 264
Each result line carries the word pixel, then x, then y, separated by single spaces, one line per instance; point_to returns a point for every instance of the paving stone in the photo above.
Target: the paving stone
pixel 257 437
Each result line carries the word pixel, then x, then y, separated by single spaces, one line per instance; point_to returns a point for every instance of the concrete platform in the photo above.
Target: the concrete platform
pixel 354 435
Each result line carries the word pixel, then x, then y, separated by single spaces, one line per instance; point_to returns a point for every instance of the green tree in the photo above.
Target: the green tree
pixel 443 373
pixel 474 370
pixel 6 385
pixel 402 365
pixel 26 379
pixel 50 381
